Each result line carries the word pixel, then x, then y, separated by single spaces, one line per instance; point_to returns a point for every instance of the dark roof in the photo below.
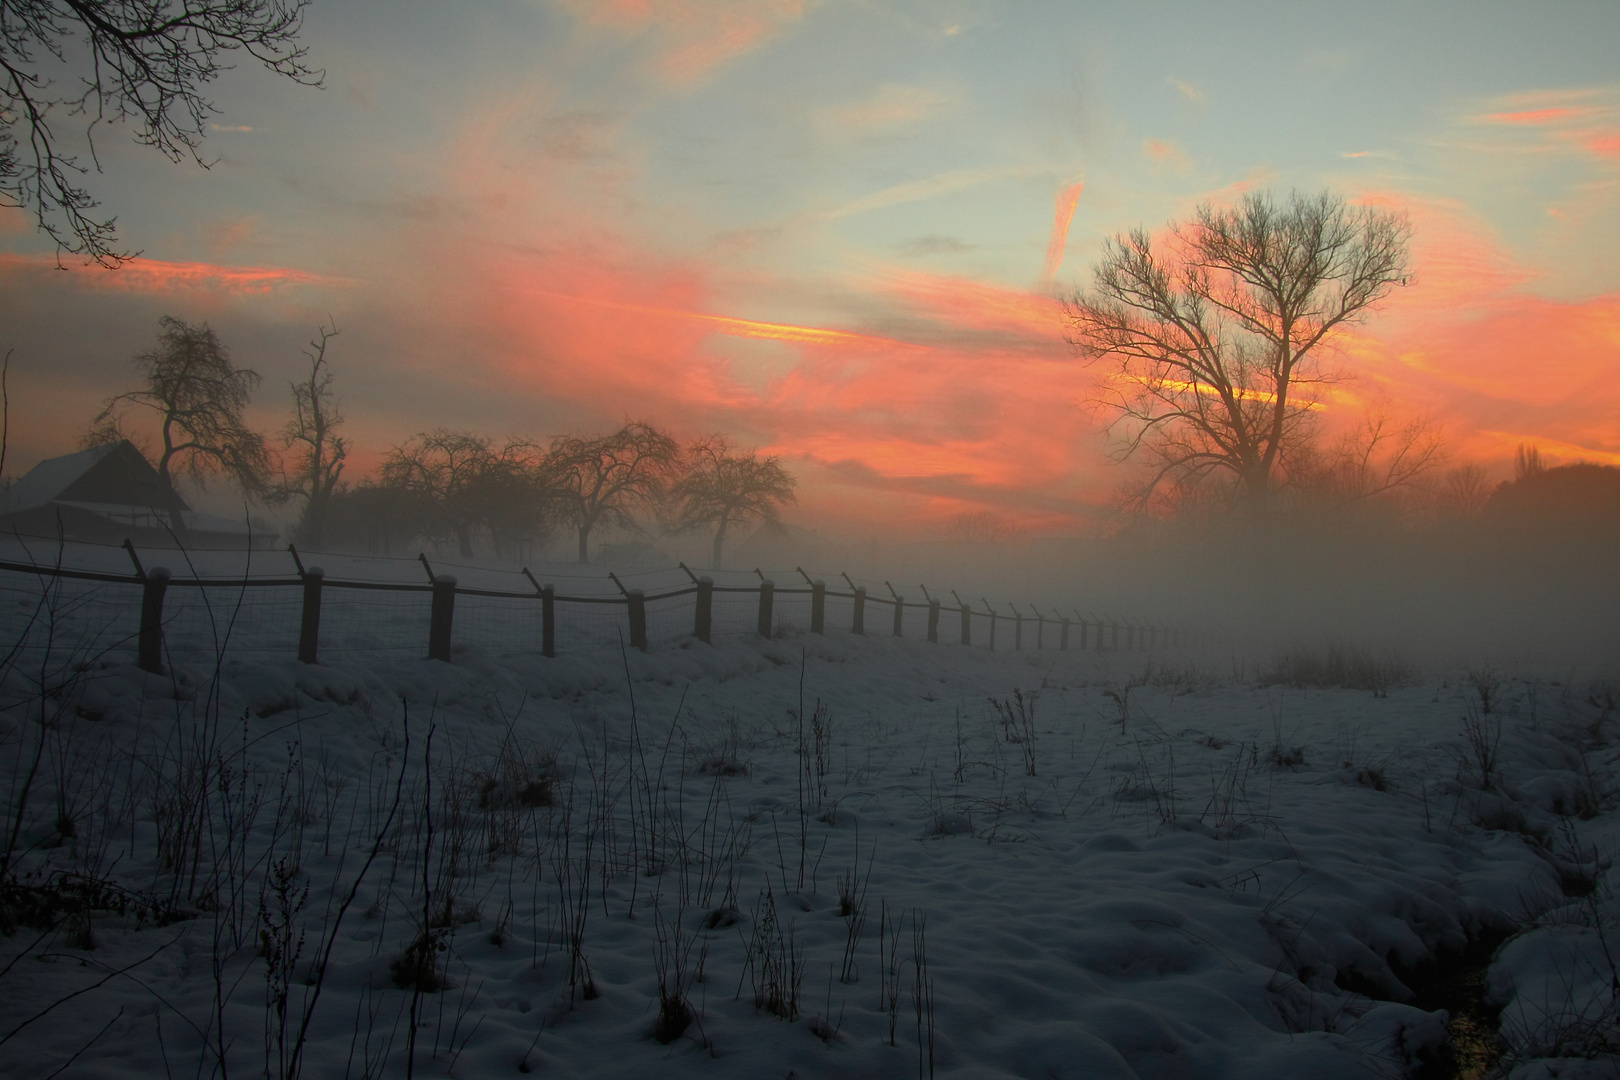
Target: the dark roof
pixel 116 474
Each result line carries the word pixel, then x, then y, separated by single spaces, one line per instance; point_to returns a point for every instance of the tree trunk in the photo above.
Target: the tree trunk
pixel 719 540
pixel 464 541
pixel 177 519
pixel 585 543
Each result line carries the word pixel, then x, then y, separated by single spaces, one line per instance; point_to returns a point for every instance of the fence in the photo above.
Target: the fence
pixel 314 616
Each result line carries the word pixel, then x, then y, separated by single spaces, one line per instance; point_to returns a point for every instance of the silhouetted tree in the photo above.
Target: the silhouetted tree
pixel 1375 459
pixel 1213 335
pixel 321 452
pixel 1460 494
pixel 145 61
pixel 198 396
pixel 980 527
pixel 1527 462
pixel 462 483
pixel 603 478
pixel 723 487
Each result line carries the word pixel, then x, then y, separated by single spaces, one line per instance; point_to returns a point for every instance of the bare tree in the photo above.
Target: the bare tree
pixel 603 478
pixel 462 483
pixel 1527 461
pixel 1214 338
pixel 980 527
pixel 1375 459
pixel 198 396
pixel 321 452
pixel 1462 492
pixel 724 487
pixel 143 61
pixel 440 469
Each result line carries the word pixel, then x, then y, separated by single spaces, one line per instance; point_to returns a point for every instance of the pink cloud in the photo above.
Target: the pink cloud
pixel 144 275
pixel 691 37
pixel 1066 201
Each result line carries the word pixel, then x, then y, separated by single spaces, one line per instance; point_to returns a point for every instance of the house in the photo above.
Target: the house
pixel 109 494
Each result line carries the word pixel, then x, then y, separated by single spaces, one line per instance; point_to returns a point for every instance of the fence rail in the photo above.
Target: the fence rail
pixel 521 620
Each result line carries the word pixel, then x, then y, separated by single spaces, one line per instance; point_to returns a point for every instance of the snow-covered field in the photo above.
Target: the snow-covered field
pixel 813 856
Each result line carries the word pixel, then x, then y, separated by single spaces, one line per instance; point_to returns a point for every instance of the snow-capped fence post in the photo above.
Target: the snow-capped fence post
pixel 767 593
pixel 818 607
pixel 548 621
pixel 548 615
pixel 441 616
pixel 309 625
pixel 636 599
pixel 858 623
pixel 149 652
pixel 703 616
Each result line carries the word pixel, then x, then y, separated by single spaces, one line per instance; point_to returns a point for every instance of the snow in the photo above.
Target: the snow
pixel 1176 878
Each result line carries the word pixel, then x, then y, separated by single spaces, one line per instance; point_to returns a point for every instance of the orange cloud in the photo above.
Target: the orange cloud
pixel 1588 119
pixel 691 37
pixel 1540 117
pixel 1473 344
pixel 1164 152
pixel 157 276
pixel 1067 199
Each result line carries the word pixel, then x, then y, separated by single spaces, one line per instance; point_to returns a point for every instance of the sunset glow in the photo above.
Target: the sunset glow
pixel 842 235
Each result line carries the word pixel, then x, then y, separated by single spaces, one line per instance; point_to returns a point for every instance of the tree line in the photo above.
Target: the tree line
pixel 444 486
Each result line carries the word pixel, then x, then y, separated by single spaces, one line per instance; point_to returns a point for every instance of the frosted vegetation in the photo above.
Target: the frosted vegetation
pixel 831 855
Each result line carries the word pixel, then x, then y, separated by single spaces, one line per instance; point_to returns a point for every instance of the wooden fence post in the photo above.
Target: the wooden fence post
pixel 992 628
pixel 149 652
pixel 933 622
pixel 1018 629
pixel 818 607
pixel 858 624
pixel 548 621
pixel 441 617
pixel 767 592
pixel 636 599
pixel 899 616
pixel 309 627
pixel 703 619
pixel 1063 636
pixel 967 625
pixel 1082 635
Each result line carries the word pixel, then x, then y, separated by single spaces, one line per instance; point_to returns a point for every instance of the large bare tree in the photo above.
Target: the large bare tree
pixel 146 62
pixel 606 477
pixel 1214 336
pixel 313 432
pixel 723 486
pixel 462 483
pixel 198 396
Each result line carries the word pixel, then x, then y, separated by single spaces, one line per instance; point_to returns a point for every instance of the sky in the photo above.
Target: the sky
pixel 840 232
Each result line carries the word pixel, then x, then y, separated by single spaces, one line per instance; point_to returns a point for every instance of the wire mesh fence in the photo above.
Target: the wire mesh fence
pixel 263 612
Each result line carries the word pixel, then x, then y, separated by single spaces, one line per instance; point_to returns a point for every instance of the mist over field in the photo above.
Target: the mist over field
pixel 739 538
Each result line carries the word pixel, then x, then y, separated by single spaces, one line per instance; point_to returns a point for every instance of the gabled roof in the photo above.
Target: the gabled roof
pixel 116 474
